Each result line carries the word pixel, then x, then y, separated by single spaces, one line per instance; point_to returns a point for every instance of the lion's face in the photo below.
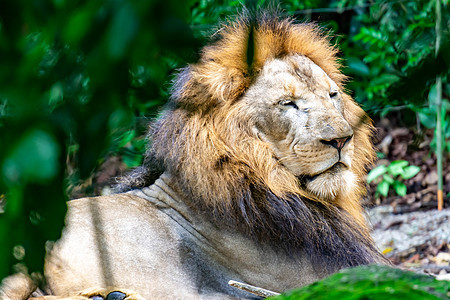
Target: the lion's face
pixel 299 111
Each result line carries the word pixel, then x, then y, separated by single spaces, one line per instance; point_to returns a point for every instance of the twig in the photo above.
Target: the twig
pixel 252 289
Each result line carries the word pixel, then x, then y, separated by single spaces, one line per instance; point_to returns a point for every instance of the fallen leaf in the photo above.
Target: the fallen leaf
pixel 387 250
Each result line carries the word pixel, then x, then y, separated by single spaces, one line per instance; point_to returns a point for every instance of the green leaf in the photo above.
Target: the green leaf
pixel 427 117
pixel 385 79
pixel 376 172
pixel 78 25
pixel 122 31
pixel 120 118
pixel 395 168
pixel 374 282
pixel 400 188
pixel 410 172
pixel 432 95
pixel 388 179
pixel 139 144
pixel 380 155
pixel 383 188
pixel 34 158
pixel 132 161
pixel 357 67
pixel 56 94
pixel 127 137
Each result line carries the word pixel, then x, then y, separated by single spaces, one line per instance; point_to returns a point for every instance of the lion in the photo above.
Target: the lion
pixel 254 173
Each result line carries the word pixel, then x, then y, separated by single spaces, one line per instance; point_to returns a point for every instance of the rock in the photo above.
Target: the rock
pixel 431 178
pixel 443 277
pixel 385 143
pixel 442 258
pixel 399 132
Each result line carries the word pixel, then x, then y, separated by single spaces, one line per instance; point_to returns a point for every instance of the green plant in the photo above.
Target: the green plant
pixel 391 176
pixel 132 148
pixel 427 117
pixel 75 79
pixel 374 282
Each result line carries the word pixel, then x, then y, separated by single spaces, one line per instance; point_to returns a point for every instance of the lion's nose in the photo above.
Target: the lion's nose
pixel 338 143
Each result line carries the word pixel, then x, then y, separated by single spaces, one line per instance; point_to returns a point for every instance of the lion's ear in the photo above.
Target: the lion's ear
pixel 223 72
pixel 190 93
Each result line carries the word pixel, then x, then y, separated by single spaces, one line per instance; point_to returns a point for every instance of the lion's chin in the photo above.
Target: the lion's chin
pixel 337 180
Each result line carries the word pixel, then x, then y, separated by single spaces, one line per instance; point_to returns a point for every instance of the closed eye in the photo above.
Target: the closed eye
pixel 333 94
pixel 288 103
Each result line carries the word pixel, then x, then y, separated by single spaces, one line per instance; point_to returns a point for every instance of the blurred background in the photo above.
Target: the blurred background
pixel 80 80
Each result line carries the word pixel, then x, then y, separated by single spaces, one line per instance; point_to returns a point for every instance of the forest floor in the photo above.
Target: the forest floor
pixel 409 230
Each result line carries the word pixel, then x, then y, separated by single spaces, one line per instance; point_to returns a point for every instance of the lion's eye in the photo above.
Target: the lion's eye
pixel 288 103
pixel 333 94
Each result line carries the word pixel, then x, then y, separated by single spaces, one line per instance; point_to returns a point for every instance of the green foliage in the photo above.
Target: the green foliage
pixel 427 117
pixel 131 148
pixel 75 79
pixel 372 283
pixel 392 50
pixel 391 176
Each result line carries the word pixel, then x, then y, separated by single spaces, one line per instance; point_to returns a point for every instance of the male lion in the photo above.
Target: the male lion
pixel 261 162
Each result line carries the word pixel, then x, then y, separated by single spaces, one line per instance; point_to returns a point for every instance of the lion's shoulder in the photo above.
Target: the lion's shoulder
pixel 108 236
pixel 117 219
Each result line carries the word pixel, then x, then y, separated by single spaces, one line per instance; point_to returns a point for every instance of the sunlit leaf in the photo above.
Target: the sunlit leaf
pixel 376 172
pixel 400 188
pixel 410 172
pixel 388 179
pixel 127 137
pixel 56 95
pixel 383 188
pixel 395 168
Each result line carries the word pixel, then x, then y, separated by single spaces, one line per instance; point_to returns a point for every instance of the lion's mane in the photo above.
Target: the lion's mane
pixel 224 171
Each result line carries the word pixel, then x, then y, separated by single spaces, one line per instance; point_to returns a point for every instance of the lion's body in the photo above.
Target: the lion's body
pixel 150 242
pixel 263 174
